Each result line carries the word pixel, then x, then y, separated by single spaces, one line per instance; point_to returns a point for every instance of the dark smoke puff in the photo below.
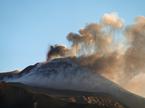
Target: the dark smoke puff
pixel 56 50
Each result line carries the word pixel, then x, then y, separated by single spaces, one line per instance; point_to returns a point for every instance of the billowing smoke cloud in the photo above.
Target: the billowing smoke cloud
pixel 113 20
pixel 135 54
pixel 97 49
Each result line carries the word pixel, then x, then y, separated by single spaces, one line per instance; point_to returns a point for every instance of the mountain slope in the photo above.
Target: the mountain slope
pixel 65 74
pixel 16 95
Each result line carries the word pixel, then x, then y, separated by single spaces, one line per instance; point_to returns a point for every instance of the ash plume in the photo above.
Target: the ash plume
pixel 134 56
pixel 122 61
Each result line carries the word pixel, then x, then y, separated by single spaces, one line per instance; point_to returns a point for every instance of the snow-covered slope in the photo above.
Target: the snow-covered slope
pixel 64 73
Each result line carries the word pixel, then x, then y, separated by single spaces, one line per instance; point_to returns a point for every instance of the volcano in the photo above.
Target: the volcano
pixel 62 83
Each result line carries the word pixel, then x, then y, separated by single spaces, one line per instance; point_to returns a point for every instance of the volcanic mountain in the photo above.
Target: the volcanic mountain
pixel 62 83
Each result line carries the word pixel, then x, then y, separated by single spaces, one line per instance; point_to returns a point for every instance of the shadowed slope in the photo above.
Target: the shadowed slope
pixel 14 95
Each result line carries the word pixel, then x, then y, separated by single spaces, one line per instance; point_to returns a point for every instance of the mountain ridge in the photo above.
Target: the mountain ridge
pixel 65 74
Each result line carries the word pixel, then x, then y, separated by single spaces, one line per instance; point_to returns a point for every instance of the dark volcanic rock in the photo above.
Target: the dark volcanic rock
pixel 13 96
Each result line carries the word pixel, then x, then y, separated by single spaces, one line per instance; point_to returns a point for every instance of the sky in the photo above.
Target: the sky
pixel 28 27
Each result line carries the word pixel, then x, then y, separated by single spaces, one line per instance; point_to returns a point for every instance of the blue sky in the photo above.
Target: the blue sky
pixel 28 27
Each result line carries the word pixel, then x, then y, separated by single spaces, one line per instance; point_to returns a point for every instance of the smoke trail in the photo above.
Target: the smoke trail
pixel 97 49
